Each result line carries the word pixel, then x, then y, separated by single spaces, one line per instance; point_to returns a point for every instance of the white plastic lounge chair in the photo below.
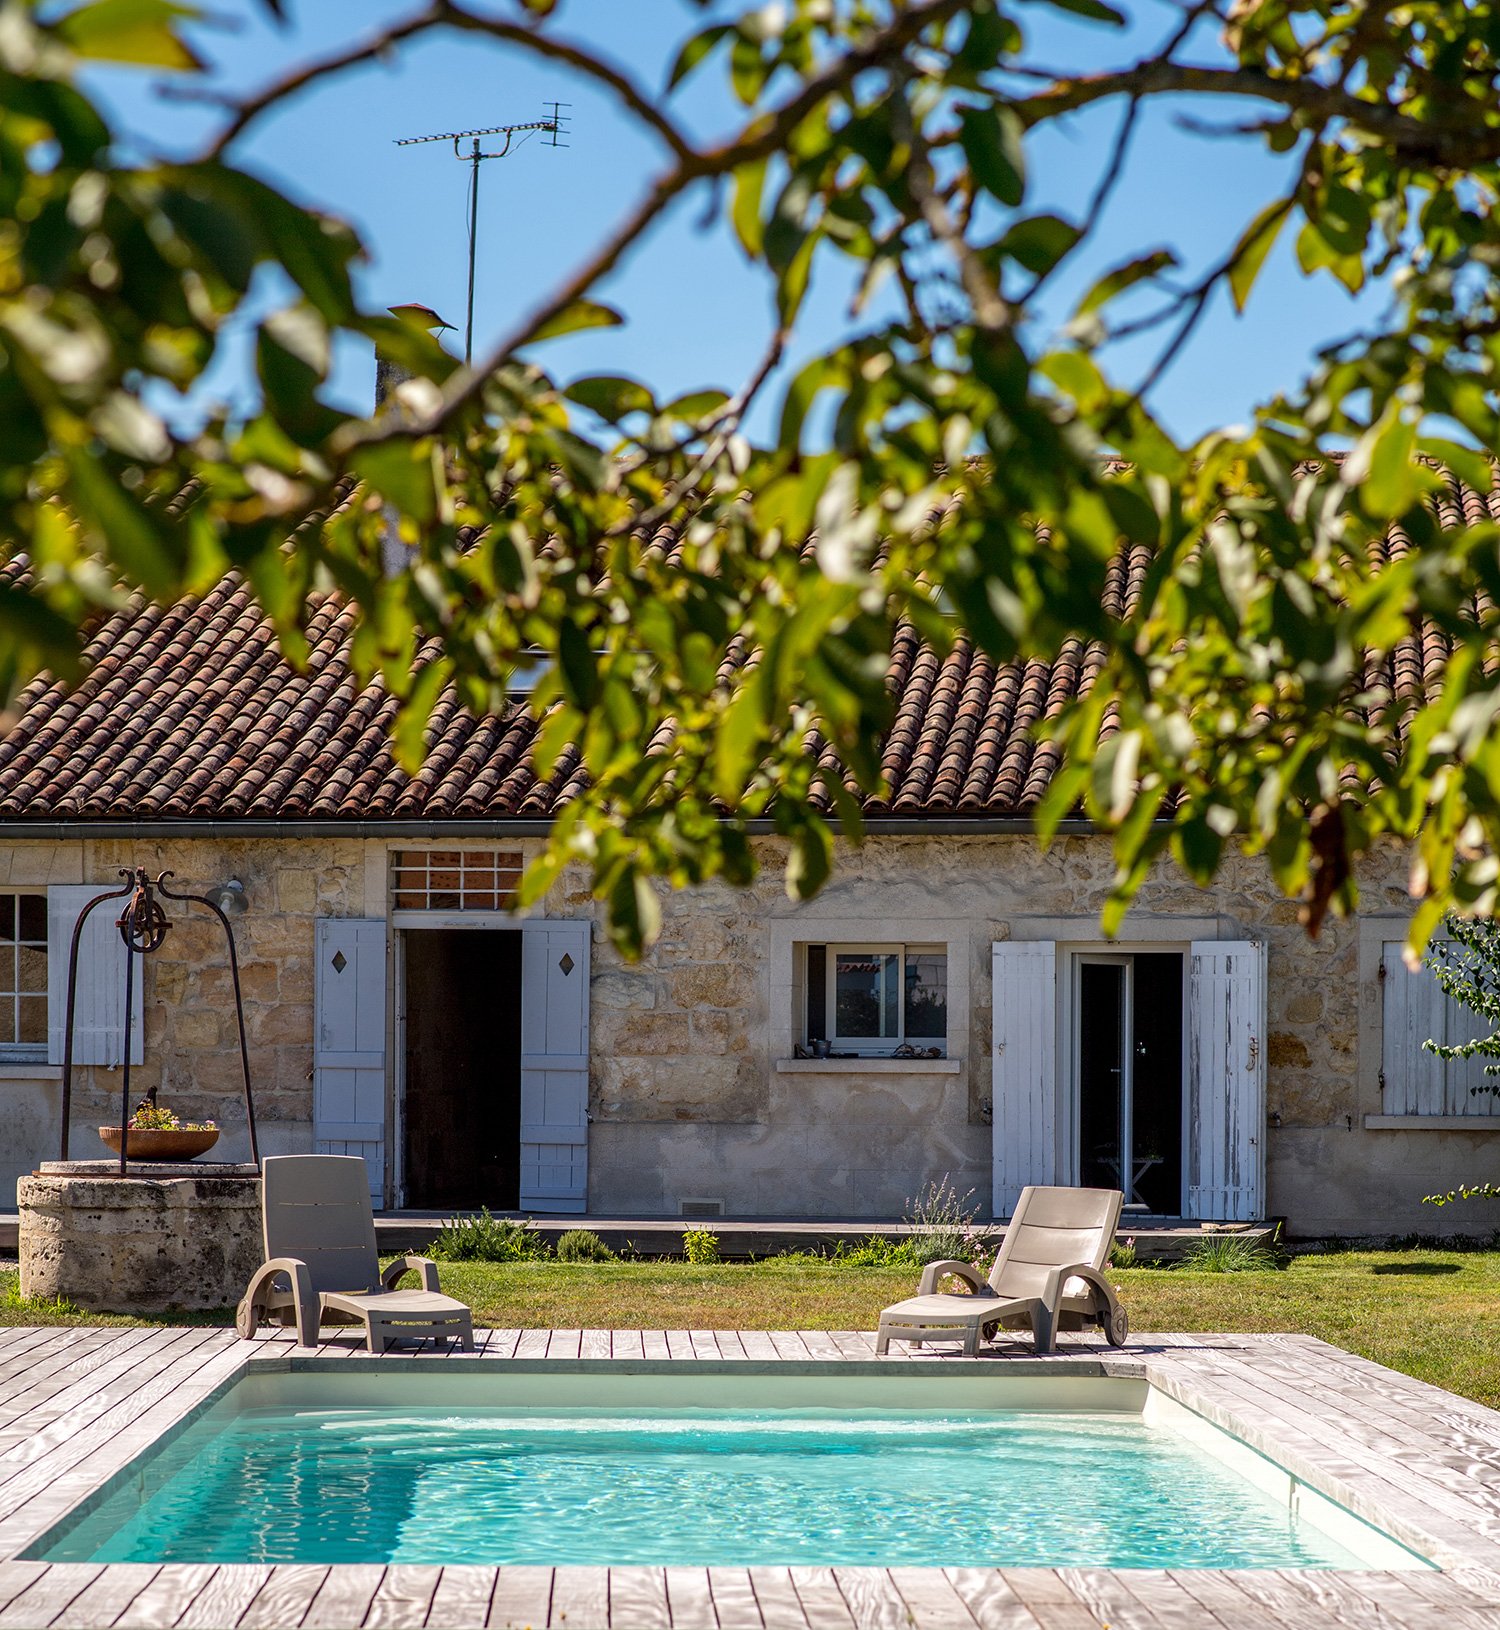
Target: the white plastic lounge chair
pixel 321 1261
pixel 1049 1274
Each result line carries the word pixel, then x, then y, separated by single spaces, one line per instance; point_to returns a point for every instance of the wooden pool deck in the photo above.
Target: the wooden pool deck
pixel 77 1405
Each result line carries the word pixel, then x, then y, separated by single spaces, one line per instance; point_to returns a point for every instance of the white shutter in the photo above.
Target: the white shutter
pixel 1415 1081
pixel 554 1065
pixel 1024 1090
pixel 99 1002
pixel 349 1044
pixel 1226 1081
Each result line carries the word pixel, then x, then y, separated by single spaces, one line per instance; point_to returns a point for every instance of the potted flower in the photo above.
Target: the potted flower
pixel 155 1133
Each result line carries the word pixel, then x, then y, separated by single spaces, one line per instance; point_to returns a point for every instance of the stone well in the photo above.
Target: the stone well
pixel 167 1238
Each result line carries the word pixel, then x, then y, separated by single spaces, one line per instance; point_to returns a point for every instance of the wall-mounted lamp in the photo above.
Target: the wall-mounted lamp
pixel 230 898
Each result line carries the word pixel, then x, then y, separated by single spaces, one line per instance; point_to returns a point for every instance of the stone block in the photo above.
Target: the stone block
pixel 282 1022
pixel 642 1034
pixel 711 984
pixel 296 891
pixel 623 988
pixel 166 982
pixel 260 982
pixel 716 1032
pixel 139 1245
pixel 196 1027
pixel 1287 1051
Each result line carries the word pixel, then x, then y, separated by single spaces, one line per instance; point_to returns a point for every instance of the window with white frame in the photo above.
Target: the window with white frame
pixel 23 975
pixel 875 999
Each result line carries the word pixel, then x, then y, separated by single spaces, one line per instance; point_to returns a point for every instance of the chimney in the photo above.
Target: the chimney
pixel 394 555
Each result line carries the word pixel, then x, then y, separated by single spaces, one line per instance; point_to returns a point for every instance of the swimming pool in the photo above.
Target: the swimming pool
pixel 626 1469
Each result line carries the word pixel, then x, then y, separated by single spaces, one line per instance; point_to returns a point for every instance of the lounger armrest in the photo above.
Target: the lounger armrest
pixel 966 1271
pixel 1052 1291
pixel 304 1302
pixel 417 1264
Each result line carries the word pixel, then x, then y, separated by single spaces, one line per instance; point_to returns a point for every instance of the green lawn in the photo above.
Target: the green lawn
pixel 1430 1313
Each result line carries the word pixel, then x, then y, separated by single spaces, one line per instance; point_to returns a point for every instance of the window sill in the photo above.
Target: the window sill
pixel 18 1069
pixel 868 1066
pixel 1432 1123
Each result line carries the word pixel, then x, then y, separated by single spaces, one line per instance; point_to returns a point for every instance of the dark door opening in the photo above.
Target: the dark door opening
pixel 462 1108
pixel 1130 1078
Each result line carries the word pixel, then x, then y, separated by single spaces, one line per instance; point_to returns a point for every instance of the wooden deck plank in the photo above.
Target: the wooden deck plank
pixel 404 1596
pixel 638 1598
pixel 225 1597
pixel 735 1604
pixel 594 1344
pixel 462 1598
pixel 16 1577
pixel 53 1589
pixel 654 1344
pixel 931 1601
pixel 1107 1595
pixel 627 1344
pixel 564 1343
pixel 822 1601
pixel 533 1344
pixel 690 1602
pixel 780 1605
pixel 991 1602
pixel 580 1598
pixel 285 1597
pixel 163 1602
pixel 344 1597
pixel 1047 1595
pixel 522 1598
pixel 873 1601
pixel 105 1597
pixel 679 1344
pixel 1170 1606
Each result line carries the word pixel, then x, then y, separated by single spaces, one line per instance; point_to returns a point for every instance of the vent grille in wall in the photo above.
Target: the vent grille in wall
pixel 701 1208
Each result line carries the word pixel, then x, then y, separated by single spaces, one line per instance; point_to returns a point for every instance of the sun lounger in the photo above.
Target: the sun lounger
pixel 321 1262
pixel 1049 1275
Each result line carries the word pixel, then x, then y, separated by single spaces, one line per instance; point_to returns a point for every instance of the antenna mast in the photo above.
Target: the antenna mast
pixel 554 125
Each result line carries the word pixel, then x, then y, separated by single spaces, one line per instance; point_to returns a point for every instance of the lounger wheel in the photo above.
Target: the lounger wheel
pixel 990 1330
pixel 1116 1327
pixel 248 1318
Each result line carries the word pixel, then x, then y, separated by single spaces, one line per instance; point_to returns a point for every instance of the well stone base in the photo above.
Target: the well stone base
pixel 164 1239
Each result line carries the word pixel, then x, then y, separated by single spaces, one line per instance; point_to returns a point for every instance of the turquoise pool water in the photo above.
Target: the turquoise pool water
pixel 692 1486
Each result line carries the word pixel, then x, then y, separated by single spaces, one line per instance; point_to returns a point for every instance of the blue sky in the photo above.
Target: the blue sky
pixel 698 315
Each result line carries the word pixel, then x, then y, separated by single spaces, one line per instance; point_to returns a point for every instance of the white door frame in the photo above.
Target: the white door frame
pixel 401 921
pixel 1069 958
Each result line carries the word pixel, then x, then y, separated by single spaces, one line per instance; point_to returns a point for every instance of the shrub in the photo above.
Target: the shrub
pixel 1231 1253
pixel 878 1253
pixel 483 1238
pixel 946 1219
pixel 700 1247
pixel 1122 1254
pixel 583 1245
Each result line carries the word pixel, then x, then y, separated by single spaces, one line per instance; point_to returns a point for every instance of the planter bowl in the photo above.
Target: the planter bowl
pixel 161 1143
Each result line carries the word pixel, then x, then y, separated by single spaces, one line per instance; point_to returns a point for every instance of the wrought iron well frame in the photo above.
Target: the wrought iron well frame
pixel 143 926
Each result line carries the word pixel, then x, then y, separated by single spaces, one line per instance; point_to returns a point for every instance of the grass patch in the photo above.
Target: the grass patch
pixel 1429 1313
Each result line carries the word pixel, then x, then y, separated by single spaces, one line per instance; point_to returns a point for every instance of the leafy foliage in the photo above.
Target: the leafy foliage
pixel 945 1220
pixel 968 450
pixel 479 1237
pixel 583 1245
pixel 1467 965
pixel 700 1246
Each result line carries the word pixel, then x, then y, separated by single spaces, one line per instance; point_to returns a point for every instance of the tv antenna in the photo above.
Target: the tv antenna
pixel 554 126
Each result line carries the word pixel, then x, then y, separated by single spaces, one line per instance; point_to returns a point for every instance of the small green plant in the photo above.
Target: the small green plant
pixel 877 1253
pixel 46 1306
pixel 700 1247
pixel 1232 1253
pixel 483 1238
pixel 1122 1254
pixel 945 1219
pixel 583 1245
pixel 150 1116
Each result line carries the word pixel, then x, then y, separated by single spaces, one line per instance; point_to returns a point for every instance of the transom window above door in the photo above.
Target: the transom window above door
pixel 454 879
pixel 876 999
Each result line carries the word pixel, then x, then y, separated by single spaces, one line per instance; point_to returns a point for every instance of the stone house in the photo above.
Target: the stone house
pixel 1212 1060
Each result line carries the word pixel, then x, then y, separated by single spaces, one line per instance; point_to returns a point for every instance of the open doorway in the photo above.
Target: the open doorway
pixel 1130 1082
pixel 461 1110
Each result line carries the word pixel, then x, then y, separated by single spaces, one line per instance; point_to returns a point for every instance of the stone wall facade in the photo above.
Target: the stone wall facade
pixel 692 1092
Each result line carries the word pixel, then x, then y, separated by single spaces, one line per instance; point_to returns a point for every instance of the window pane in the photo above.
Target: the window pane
pixel 866 993
pixel 33 969
pixel 34 918
pixel 7 917
pixel 817 992
pixel 33 1019
pixel 926 994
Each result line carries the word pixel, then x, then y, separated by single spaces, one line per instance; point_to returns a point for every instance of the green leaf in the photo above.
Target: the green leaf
pixel 611 396
pixel 409 737
pixel 749 188
pixel 695 405
pixel 403 472
pixel 578 665
pixel 1392 483
pixel 1251 251
pixel 1125 276
pixel 1039 242
pixel 695 51
pixel 1095 10
pixel 809 859
pixel 581 314
pixel 991 140
pixel 141 32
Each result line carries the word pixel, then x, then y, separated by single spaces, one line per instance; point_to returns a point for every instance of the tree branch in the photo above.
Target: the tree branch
pixel 446 14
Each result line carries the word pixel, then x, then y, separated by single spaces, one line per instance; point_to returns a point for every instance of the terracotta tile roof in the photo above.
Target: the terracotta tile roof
pixel 191 713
